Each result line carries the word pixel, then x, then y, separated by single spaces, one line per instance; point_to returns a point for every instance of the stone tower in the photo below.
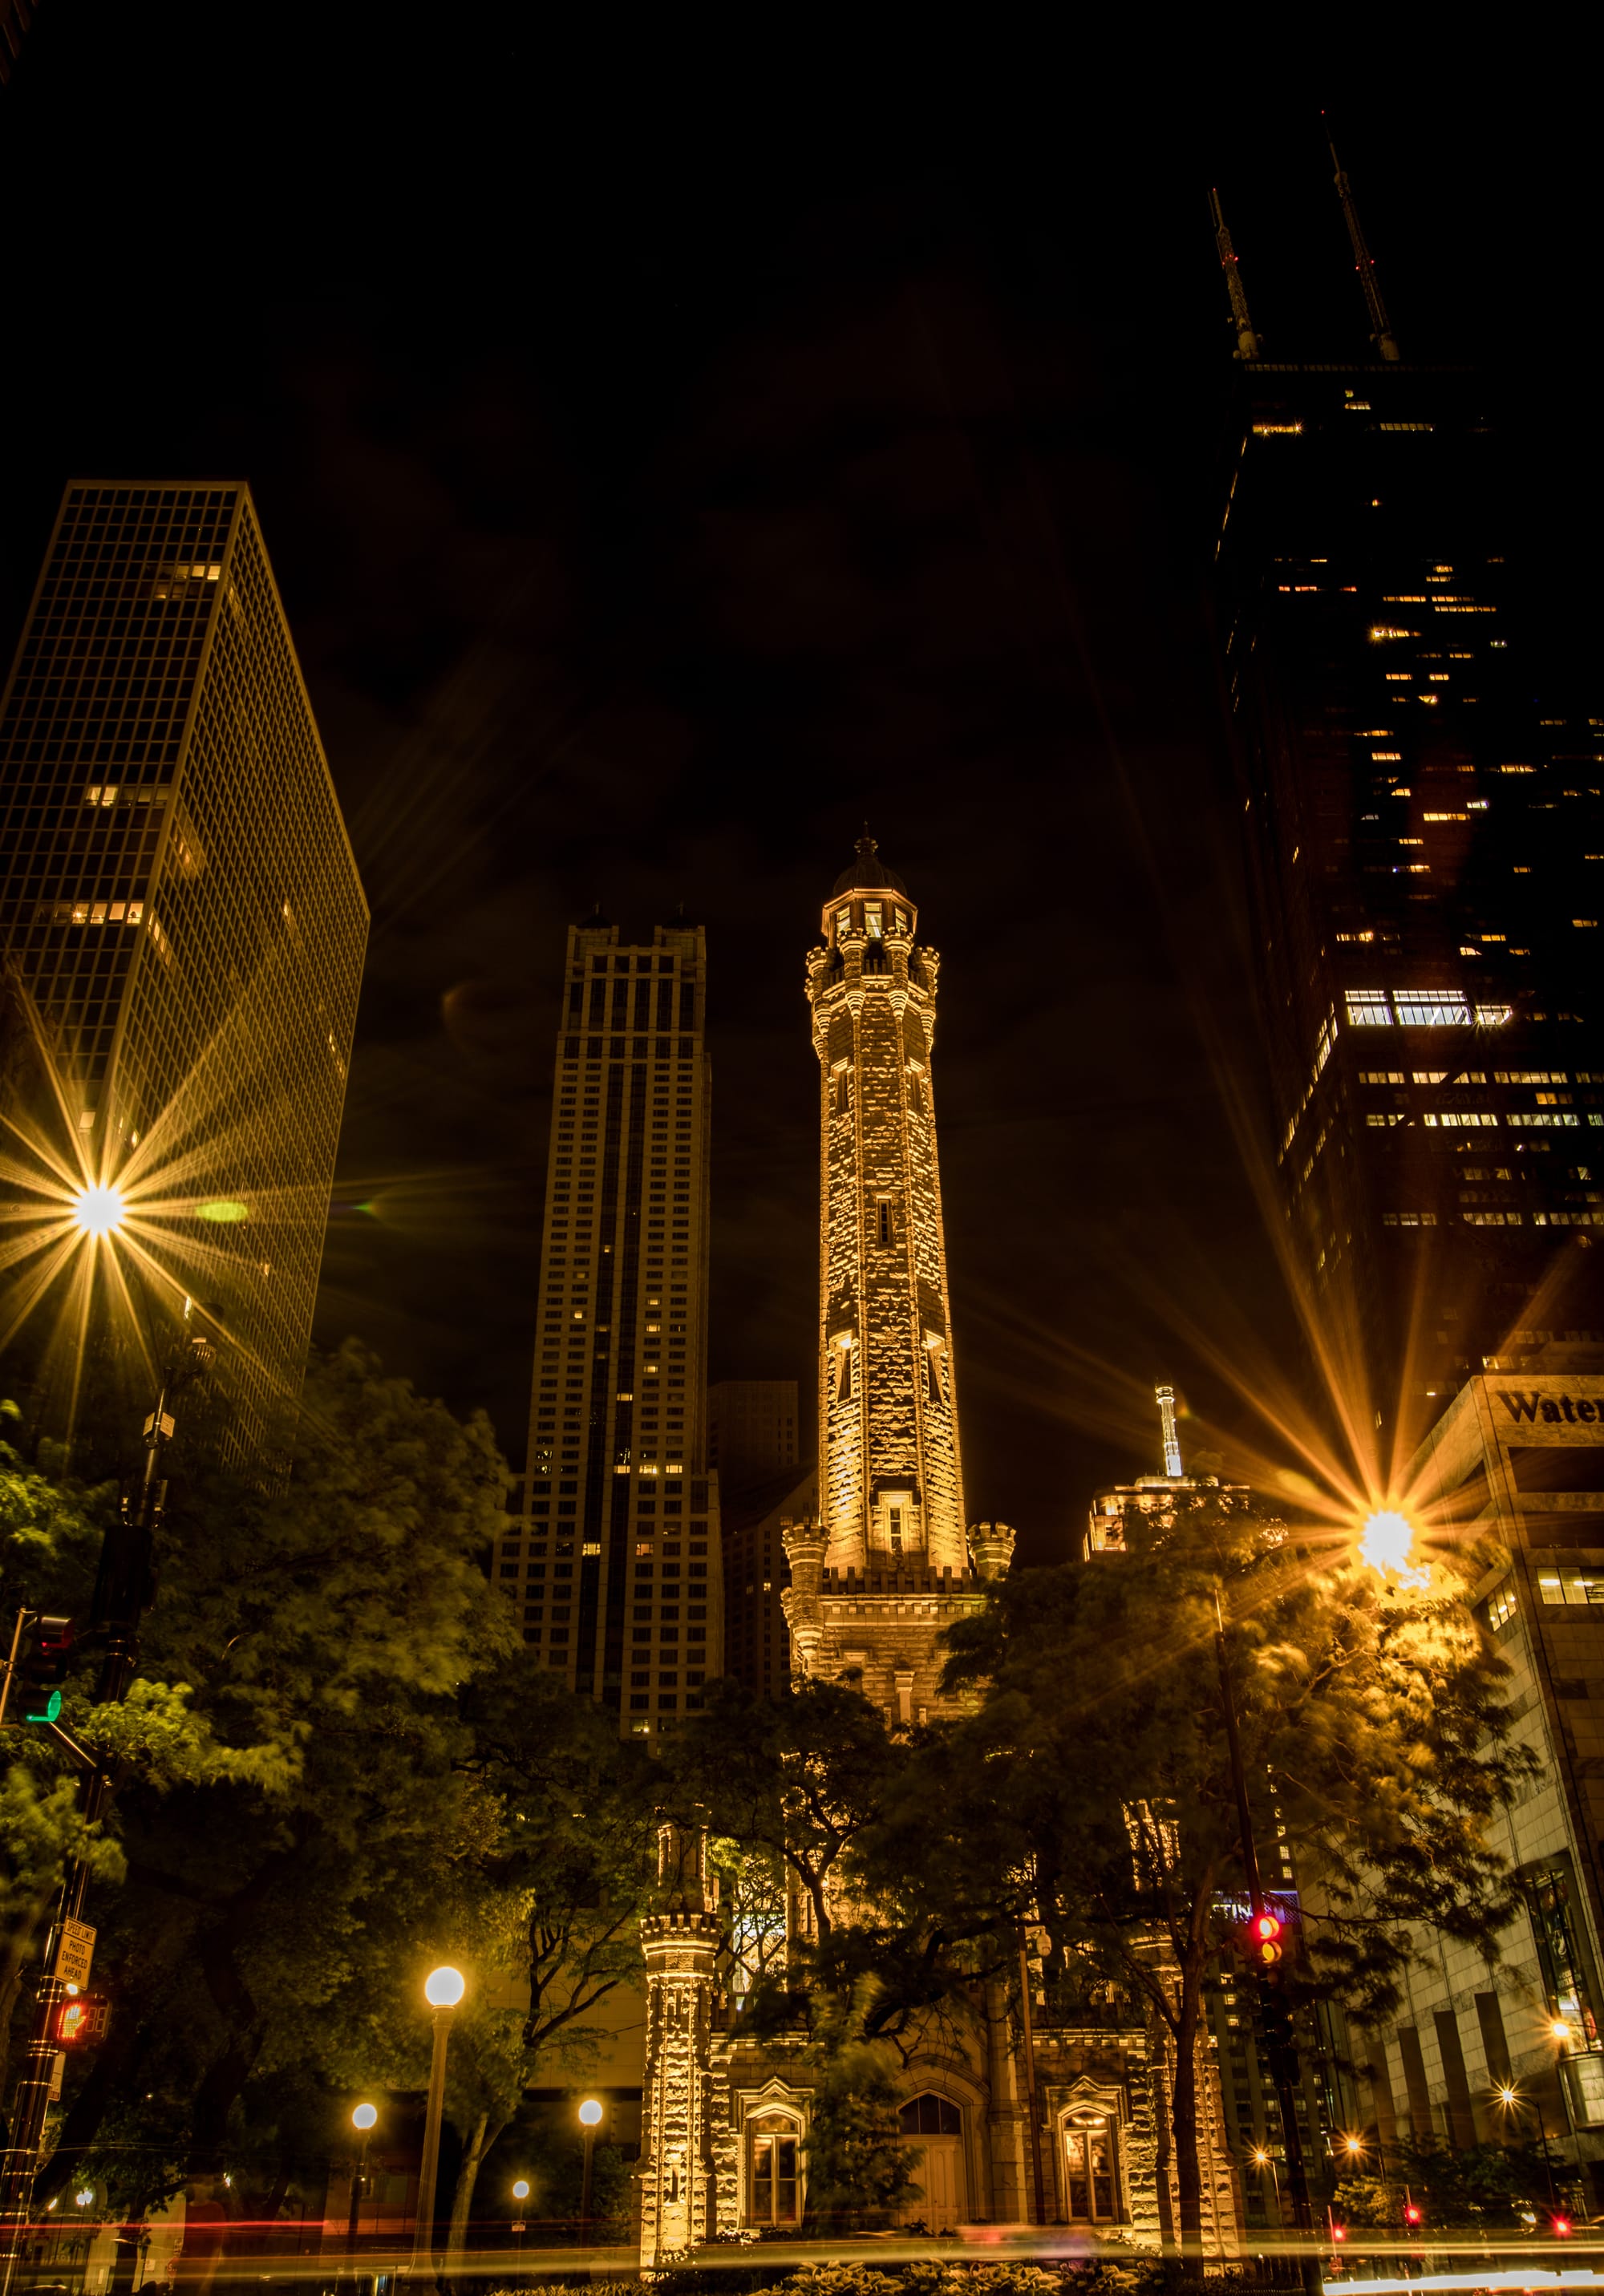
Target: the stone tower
pixel 891 1480
pixel 884 1570
pixel 681 1942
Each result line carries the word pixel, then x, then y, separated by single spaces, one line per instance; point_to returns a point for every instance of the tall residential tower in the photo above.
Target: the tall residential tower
pixel 181 909
pixel 616 1561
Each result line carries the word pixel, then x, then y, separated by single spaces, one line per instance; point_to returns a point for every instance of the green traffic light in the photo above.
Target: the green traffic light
pixel 48 1712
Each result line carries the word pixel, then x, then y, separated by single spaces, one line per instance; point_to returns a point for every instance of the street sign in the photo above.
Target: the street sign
pixel 75 1954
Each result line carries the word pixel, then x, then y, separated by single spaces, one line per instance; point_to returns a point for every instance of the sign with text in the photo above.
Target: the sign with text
pixel 75 1954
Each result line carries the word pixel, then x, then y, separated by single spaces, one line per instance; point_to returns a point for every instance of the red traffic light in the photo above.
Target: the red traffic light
pixel 1264 1938
pixel 1562 2225
pixel 1412 2214
pixel 1339 2232
pixel 81 2017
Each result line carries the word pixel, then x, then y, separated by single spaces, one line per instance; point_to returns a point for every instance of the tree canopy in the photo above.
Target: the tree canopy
pixel 1091 1784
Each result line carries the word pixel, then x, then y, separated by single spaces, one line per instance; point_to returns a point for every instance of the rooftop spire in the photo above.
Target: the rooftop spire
pixel 1364 262
pixel 1248 342
pixel 1172 1440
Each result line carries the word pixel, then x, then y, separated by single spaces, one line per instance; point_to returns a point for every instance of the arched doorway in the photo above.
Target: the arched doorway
pixel 1091 2148
pixel 935 2124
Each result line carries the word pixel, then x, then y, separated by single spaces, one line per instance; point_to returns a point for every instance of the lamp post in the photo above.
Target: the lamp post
pixel 590 2115
pixel 1283 2061
pixel 363 2120
pixel 1510 2100
pixel 1264 2159
pixel 443 1988
pixel 520 2193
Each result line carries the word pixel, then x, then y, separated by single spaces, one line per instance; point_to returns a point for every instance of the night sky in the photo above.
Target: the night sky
pixel 671 458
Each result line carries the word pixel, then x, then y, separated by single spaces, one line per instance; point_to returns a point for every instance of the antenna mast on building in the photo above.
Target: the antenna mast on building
pixel 1248 342
pixel 1364 263
pixel 1172 1441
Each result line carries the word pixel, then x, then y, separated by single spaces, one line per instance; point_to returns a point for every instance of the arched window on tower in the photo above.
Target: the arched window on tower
pixel 843 1374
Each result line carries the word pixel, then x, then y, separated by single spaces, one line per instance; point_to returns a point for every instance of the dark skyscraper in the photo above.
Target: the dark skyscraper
pixel 180 905
pixel 1427 852
pixel 620 1582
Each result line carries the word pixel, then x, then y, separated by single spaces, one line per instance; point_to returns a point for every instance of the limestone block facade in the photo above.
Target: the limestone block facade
pixel 890 1477
pixel 1011 2125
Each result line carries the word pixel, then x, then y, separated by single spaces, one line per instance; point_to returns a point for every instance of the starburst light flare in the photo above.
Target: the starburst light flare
pixel 1387 1543
pixel 98 1210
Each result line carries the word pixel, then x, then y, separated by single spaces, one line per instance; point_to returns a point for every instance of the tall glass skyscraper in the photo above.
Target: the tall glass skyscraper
pixel 615 1562
pixel 1426 841
pixel 180 907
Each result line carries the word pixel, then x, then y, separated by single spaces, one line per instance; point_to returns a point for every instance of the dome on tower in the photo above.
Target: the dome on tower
pixel 868 872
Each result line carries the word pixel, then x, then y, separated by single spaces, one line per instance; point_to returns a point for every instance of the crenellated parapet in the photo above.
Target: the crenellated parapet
pixel 991 1547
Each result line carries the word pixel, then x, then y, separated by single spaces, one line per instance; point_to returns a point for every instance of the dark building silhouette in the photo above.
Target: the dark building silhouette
pixel 616 1561
pixel 1426 843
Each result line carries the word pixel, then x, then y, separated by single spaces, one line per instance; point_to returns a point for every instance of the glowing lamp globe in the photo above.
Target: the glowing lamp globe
pixel 443 1988
pixel 1387 1543
pixel 590 2112
pixel 97 1211
pixel 1560 2030
pixel 364 2116
pixel 520 2191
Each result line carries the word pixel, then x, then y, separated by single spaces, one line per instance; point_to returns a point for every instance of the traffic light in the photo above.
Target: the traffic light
pixel 43 1656
pixel 81 2018
pixel 1562 2225
pixel 1411 2212
pixel 1275 2017
pixel 1264 1938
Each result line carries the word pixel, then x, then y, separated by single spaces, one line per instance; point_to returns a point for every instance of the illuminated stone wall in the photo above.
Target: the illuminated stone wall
pixel 677 2173
pixel 891 1482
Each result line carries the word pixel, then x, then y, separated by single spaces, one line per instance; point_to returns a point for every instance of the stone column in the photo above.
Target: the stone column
pixel 806 1546
pixel 681 1942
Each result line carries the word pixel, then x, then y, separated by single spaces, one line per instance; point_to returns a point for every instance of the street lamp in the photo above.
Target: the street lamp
pixel 1264 2159
pixel 520 2193
pixel 590 2115
pixel 1509 2101
pixel 363 2120
pixel 1386 1544
pixel 97 1210
pixel 443 1988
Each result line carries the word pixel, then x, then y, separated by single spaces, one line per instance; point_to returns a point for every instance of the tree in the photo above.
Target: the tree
pixel 1094 1780
pixel 293 1804
pixel 563 1876
pixel 856 2161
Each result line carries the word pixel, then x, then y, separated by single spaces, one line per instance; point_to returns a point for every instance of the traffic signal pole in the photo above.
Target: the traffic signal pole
pixel 122 1594
pixel 1280 2049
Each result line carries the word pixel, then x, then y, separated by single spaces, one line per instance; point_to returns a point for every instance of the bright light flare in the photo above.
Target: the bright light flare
pixel 98 1210
pixel 1387 1543
pixel 1560 2030
pixel 444 1988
